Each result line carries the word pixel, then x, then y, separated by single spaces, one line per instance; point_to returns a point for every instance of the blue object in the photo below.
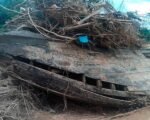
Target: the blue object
pixel 83 39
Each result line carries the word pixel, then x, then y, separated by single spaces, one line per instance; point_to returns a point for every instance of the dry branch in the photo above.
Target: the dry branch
pixel 69 20
pixel 77 27
pixel 53 33
pixel 10 10
pixel 88 17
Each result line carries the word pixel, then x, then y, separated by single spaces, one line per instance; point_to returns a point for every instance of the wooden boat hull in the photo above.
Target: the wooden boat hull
pixel 62 85
pixel 71 71
pixel 65 86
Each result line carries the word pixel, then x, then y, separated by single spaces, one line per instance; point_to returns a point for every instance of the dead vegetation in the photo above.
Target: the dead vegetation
pixel 18 101
pixel 67 20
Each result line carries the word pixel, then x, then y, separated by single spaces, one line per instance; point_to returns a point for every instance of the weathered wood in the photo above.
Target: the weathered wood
pixel 18 44
pixel 54 82
pixel 99 84
pixel 84 79
pixel 113 87
pixel 6 61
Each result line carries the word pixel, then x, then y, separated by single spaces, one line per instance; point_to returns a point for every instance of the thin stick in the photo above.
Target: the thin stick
pixel 116 20
pixel 77 27
pixel 35 26
pixel 21 3
pixel 26 107
pixel 53 33
pixel 10 10
pixel 88 17
pixel 65 99
pixel 19 17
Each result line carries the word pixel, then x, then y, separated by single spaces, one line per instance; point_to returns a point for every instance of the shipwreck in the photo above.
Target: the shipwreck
pixel 85 53
pixel 74 72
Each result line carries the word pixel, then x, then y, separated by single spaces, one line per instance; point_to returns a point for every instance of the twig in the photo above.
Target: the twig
pixel 93 14
pixel 19 17
pixel 20 27
pixel 77 27
pixel 53 28
pixel 88 17
pixel 35 26
pixel 9 107
pixel 21 3
pixel 10 10
pixel 116 20
pixel 65 99
pixel 53 33
pixel 25 103
pixel 50 38
pixel 44 4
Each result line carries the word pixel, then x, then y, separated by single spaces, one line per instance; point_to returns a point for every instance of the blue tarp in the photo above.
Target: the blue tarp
pixel 83 39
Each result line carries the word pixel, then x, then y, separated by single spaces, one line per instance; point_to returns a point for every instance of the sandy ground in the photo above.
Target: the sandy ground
pixel 141 114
